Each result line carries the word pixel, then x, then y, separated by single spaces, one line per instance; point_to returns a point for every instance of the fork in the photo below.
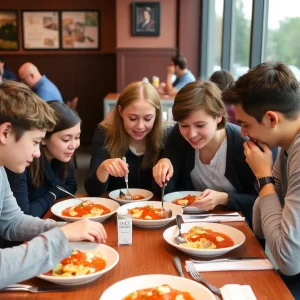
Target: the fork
pixel 196 276
pixel 128 195
pixel 67 192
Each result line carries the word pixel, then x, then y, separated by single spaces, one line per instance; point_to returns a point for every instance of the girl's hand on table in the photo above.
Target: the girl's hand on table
pixel 209 199
pixel 85 230
pixel 162 171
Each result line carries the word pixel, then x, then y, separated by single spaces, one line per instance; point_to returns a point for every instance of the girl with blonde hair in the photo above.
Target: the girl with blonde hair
pixel 136 131
pixel 205 153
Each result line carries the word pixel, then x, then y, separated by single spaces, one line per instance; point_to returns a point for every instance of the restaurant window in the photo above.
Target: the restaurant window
pixel 282 37
pixel 241 34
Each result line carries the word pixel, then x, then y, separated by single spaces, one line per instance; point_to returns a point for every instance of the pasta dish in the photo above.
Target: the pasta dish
pixel 86 209
pixel 134 197
pixel 79 263
pixel 145 213
pixel 187 200
pixel 201 238
pixel 162 292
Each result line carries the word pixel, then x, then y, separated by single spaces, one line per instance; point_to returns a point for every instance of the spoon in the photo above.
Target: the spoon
pixel 164 213
pixel 179 239
pixel 67 192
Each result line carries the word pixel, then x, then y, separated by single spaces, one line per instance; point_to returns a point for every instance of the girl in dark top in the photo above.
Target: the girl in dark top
pixel 204 153
pixel 134 130
pixel 35 189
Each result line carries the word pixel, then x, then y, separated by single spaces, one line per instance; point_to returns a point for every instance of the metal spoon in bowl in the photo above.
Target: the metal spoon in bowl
pixel 179 239
pixel 67 192
pixel 164 213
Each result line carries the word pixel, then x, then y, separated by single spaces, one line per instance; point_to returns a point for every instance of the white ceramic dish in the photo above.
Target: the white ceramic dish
pixel 177 195
pixel 60 206
pixel 115 194
pixel 110 255
pixel 121 289
pixel 176 210
pixel 237 236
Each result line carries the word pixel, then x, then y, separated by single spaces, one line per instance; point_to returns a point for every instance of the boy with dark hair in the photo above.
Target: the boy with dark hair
pixel 267 104
pixel 178 67
pixel 24 120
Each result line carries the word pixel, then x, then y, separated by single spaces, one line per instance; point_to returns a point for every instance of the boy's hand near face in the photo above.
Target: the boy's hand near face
pixel 259 158
pixel 85 230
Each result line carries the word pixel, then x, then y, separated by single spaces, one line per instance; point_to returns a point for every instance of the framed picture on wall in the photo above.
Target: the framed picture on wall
pixel 80 29
pixel 9 36
pixel 145 18
pixel 40 30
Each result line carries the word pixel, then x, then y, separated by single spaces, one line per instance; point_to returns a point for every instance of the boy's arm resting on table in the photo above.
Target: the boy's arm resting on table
pixel 281 226
pixel 37 256
pixel 93 186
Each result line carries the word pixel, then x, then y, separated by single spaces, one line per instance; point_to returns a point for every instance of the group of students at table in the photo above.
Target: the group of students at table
pixel 200 152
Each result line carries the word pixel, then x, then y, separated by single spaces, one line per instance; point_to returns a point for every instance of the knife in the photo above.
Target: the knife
pixel 178 267
pixel 34 289
pixel 226 259
pixel 208 215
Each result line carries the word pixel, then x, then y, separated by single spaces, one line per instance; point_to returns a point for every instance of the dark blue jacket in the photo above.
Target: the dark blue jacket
pixel 36 201
pixel 237 171
pixel 9 75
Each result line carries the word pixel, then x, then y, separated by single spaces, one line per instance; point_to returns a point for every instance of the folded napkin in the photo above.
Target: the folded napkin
pixel 251 264
pixel 221 218
pixel 237 292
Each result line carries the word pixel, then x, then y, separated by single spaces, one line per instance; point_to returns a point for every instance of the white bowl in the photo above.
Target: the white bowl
pixel 177 195
pixel 115 194
pixel 237 236
pixel 121 289
pixel 110 255
pixel 176 210
pixel 60 206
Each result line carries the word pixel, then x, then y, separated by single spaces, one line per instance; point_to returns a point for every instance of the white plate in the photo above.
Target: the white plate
pixel 60 206
pixel 176 210
pixel 110 255
pixel 237 236
pixel 115 194
pixel 121 289
pixel 177 195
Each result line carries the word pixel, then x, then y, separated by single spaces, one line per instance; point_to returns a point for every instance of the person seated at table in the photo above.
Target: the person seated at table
pixel 24 120
pixel 205 153
pixel 178 67
pixel 222 78
pixel 35 189
pixel 136 131
pixel 267 104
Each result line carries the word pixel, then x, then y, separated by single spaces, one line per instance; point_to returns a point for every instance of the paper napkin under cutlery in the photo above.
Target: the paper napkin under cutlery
pixel 255 264
pixel 237 292
pixel 209 218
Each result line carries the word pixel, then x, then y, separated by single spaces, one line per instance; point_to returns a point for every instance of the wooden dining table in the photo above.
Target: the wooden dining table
pixel 150 254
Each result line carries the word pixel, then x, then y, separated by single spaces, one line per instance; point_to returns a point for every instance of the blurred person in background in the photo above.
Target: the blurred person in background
pixel 40 84
pixel 5 73
pixel 178 67
pixel 222 78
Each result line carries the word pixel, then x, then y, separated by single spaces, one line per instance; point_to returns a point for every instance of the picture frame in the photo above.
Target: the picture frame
pixel 145 19
pixel 80 29
pixel 9 30
pixel 41 29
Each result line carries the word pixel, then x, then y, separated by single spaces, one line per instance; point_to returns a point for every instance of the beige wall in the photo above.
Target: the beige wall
pixel 167 38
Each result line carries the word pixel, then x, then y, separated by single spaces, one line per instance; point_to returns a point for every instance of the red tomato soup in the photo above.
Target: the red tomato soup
pixel 85 210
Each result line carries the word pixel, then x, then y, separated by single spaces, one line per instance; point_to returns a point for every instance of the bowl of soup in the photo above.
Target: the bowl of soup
pixel 205 239
pixel 88 262
pixel 93 208
pixel 137 195
pixel 184 199
pixel 147 214
pixel 168 286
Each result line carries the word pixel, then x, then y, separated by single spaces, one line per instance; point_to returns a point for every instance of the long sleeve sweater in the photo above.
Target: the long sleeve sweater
pixel 276 217
pixel 47 244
